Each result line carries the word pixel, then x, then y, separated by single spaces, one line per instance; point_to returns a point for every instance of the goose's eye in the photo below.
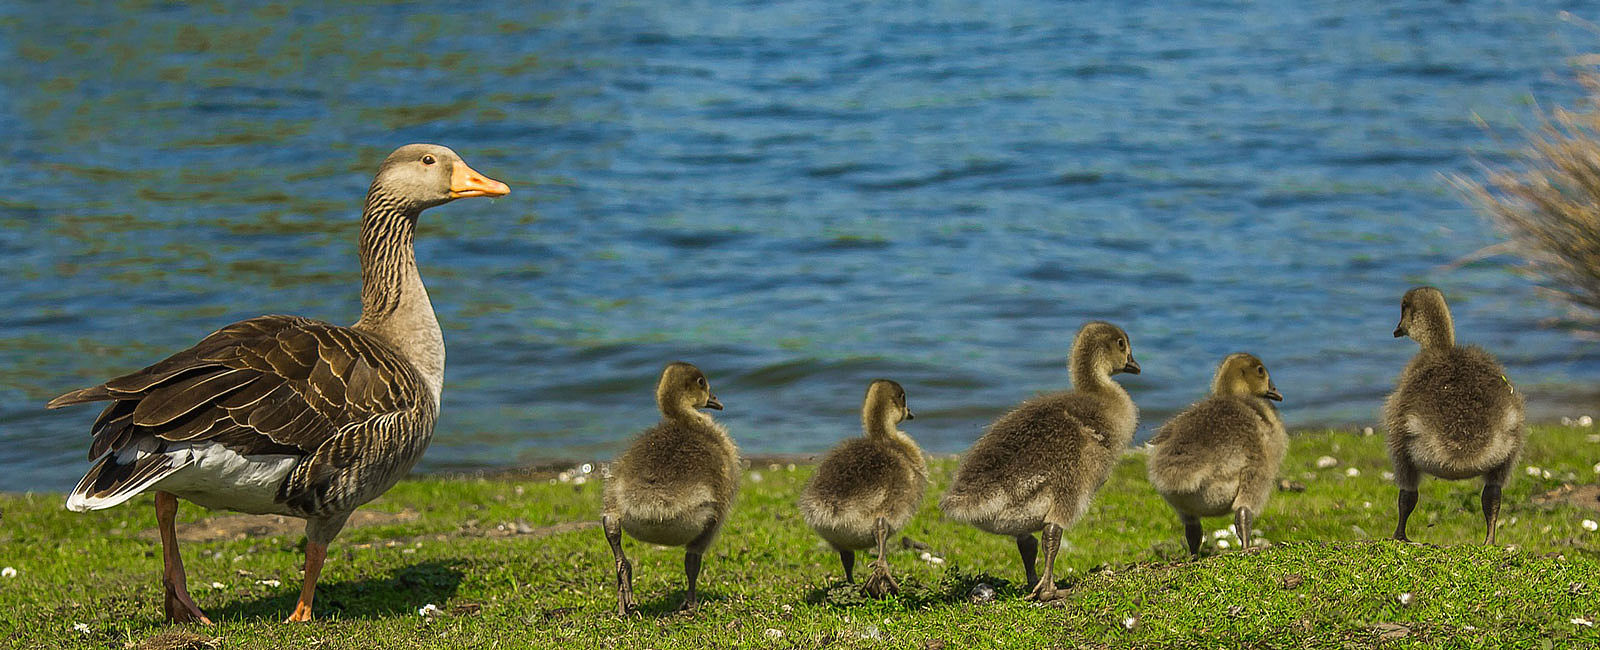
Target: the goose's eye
pixel 428 160
pixel 701 381
pixel 1261 370
pixel 1122 344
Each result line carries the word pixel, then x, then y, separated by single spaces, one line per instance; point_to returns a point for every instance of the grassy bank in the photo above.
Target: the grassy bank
pixel 516 561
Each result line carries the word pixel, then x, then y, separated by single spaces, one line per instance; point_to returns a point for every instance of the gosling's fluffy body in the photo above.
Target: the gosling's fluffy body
pixel 1453 413
pixel 882 474
pixel 1039 465
pixel 1221 455
pixel 1043 461
pixel 675 483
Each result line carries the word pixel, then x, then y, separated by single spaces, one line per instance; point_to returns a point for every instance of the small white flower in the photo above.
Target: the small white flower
pixel 1129 622
pixel 81 627
pixel 1222 543
pixel 1566 421
pixel 269 583
pixel 218 585
pixel 1326 461
pixel 1546 473
pixel 8 572
pixel 755 477
pixel 1585 421
pixel 586 468
pixel 1388 475
pixel 773 633
pixel 1405 599
pixel 1366 504
pixel 1366 431
pixel 1352 472
pixel 1582 621
pixel 580 480
pixel 787 608
pixel 789 467
pixel 1590 525
pixel 937 560
pixel 1533 471
pixel 429 610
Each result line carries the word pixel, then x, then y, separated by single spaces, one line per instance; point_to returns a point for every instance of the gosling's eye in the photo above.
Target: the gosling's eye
pixel 1261 371
pixel 701 381
pixel 1122 344
pixel 428 160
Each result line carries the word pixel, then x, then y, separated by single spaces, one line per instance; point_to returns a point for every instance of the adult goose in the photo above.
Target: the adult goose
pixel 288 415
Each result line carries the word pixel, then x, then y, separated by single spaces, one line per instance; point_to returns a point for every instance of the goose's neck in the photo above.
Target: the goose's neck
pixel 394 303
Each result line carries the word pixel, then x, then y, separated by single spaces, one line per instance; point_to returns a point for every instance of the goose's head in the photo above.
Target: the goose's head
pixel 1243 374
pixel 1103 349
pixel 427 175
pixel 1425 317
pixel 683 388
pixel 885 406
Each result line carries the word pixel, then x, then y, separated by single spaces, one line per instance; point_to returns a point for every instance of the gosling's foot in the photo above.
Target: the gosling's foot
pixel 880 583
pixel 1045 592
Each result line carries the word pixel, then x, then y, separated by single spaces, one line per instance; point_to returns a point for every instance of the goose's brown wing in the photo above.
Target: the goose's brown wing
pixel 268 385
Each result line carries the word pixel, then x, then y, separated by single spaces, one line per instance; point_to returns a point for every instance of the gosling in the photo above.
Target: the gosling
pixel 674 485
pixel 1454 414
pixel 1222 454
pixel 1039 465
pixel 867 488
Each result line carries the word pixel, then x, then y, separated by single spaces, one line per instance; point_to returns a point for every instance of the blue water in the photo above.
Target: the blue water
pixel 797 196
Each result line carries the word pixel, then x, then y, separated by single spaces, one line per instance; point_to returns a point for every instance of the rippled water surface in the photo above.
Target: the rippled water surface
pixel 797 196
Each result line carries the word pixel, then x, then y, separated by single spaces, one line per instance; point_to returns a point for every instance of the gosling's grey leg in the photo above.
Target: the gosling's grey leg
pixel 847 557
pixel 691 566
pixel 1029 548
pixel 613 529
pixel 881 583
pixel 1491 498
pixel 1242 520
pixel 1192 534
pixel 691 570
pixel 1408 478
pixel 1045 590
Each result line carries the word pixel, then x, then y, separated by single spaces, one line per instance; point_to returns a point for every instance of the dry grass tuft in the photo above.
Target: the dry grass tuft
pixel 1548 204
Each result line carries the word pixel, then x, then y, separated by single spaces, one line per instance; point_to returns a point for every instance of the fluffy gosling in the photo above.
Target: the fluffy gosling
pixel 1039 465
pixel 674 485
pixel 867 488
pixel 1453 414
pixel 1222 454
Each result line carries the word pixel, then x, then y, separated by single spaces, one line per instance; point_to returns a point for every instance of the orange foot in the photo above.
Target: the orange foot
pixel 180 608
pixel 302 614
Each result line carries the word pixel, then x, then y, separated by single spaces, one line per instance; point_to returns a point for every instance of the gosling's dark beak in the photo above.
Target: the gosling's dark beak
pixel 1400 330
pixel 1273 394
pixel 712 403
pixel 1132 367
pixel 910 415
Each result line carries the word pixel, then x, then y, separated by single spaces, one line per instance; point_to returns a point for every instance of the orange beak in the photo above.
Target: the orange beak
pixel 464 182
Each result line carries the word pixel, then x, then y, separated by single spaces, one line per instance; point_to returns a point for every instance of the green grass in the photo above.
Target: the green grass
pixel 1329 580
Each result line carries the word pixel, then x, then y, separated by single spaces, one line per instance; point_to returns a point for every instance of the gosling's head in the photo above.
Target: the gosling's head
pixel 421 176
pixel 1243 374
pixel 1425 318
pixel 1103 349
pixel 884 407
pixel 683 388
